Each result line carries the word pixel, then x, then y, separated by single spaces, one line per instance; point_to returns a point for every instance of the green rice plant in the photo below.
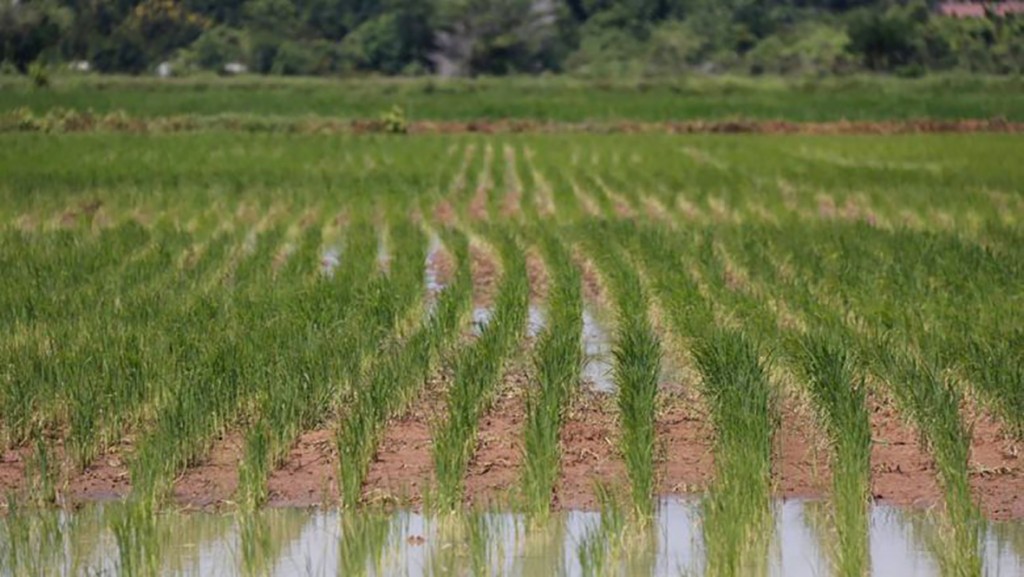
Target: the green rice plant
pixel 597 550
pixel 840 399
pixel 477 371
pixel 362 537
pixel 346 331
pixel 997 368
pixel 737 509
pixel 139 536
pixel 933 403
pixel 557 363
pixel 391 381
pixel 637 353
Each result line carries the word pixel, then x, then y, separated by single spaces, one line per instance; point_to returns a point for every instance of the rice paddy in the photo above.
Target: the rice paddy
pixel 526 354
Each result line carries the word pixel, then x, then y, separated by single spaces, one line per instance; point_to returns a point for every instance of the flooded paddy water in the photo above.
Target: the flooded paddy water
pixel 107 539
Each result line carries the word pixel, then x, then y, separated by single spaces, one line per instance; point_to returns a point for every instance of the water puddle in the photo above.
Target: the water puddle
pixel 300 542
pixel 481 318
pixel 383 255
pixel 597 354
pixel 536 321
pixel 431 276
pixel 330 261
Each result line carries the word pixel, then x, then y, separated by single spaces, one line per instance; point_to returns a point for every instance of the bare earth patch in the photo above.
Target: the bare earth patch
pixel 684 430
pixel 213 482
pixel 902 473
pixel 589 452
pixel 997 470
pixel 496 465
pixel 308 475
pixel 801 459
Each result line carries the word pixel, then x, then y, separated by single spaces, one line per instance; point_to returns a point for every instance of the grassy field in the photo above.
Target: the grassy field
pixel 220 307
pixel 857 98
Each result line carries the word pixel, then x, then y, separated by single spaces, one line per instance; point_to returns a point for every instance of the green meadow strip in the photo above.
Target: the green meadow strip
pixel 557 363
pixel 637 353
pixel 393 378
pixel 477 373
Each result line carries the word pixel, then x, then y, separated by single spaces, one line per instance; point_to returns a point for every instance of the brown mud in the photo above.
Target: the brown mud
pixel 308 475
pixel 213 482
pixel 494 471
pixel 90 122
pixel 902 472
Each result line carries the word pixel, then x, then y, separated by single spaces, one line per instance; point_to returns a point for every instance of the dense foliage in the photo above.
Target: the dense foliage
pixel 588 37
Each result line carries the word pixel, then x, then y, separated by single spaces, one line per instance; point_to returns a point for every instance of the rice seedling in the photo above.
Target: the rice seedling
pixel 557 362
pixel 841 401
pixel 391 380
pixel 477 371
pixel 737 510
pixel 637 355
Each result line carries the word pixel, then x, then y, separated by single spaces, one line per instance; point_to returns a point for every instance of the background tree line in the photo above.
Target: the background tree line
pixel 600 38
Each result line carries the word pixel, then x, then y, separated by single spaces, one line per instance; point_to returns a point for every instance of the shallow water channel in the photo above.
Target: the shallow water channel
pixel 108 539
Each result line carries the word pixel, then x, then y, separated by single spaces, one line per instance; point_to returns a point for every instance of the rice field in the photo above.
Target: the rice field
pixel 529 354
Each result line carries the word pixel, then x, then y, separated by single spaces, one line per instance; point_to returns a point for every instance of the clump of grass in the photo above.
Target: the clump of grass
pixel 737 509
pixel 477 372
pixel 557 364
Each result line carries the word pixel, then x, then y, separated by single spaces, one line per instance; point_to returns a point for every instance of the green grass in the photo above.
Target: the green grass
pixel 543 99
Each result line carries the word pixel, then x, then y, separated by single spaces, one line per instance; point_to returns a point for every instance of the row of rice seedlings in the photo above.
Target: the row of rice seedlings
pixel 394 376
pixel 737 510
pixel 933 402
pixel 742 402
pixel 637 353
pixel 824 357
pixel 557 362
pixel 341 326
pixel 253 340
pixel 477 371
pixel 840 398
pixel 62 337
pixel 898 348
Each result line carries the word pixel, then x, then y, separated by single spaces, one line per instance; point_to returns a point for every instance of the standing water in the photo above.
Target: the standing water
pixel 96 540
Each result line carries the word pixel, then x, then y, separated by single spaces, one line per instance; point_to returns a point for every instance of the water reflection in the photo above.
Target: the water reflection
pixel 297 542
pixel 597 354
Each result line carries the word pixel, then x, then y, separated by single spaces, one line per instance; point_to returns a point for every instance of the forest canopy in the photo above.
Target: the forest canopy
pixel 590 38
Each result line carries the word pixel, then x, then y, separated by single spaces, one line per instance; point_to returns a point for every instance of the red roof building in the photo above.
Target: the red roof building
pixel 977 9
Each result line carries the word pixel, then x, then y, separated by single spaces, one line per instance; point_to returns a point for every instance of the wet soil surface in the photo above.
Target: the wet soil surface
pixel 902 472
pixel 802 453
pixel 213 482
pixel 684 427
pixel 997 469
pixel 308 475
pixel 590 454
pixel 496 466
pixel 402 471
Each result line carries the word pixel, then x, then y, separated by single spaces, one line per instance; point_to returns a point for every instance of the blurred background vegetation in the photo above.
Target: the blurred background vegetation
pixel 587 38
